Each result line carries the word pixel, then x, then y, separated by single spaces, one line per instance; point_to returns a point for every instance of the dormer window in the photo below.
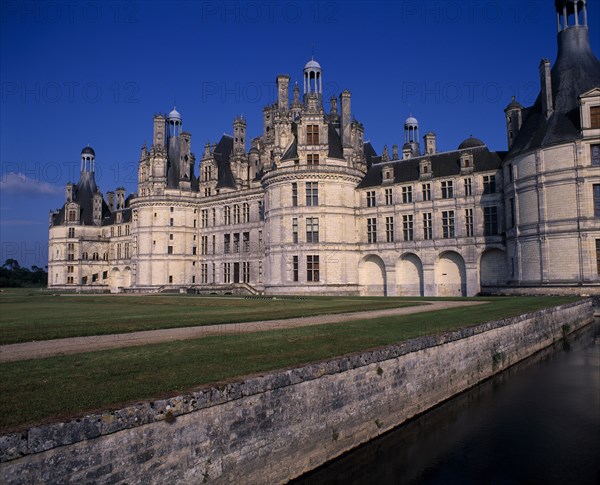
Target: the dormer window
pixel 595 117
pixel 466 163
pixel 388 174
pixel 425 169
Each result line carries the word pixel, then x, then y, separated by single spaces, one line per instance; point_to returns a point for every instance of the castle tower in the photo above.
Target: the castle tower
pixel 411 146
pixel 239 135
pixel 174 123
pixel 88 157
pixel 313 85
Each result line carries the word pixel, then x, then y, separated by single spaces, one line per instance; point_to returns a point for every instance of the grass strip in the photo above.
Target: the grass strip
pixel 59 387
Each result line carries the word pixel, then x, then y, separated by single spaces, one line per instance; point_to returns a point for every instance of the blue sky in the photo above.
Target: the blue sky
pixel 95 72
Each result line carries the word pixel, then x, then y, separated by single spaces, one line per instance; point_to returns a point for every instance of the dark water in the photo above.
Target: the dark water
pixel 537 423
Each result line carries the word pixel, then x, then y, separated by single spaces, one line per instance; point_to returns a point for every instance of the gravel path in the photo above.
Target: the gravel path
pixel 76 345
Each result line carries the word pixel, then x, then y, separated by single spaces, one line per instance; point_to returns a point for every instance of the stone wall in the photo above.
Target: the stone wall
pixel 268 429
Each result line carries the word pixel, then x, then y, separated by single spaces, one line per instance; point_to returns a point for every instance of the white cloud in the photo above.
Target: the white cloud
pixel 21 184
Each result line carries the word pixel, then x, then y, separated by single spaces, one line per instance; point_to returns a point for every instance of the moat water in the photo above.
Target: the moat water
pixel 537 423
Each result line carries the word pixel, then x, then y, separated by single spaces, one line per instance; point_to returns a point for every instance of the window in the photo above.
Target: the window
pixel 447 189
pixel 214 273
pixel 246 242
pixel 236 214
pixel 595 153
pixel 407 227
pixel 226 272
pixel 204 273
pixel 170 224
pixel 468 187
pixel 447 224
pixel 71 269
pixel 389 229
pixel 489 184
pixel 595 117
pixel 226 242
pixel 389 199
pixel 214 244
pixel 490 221
pixel 227 215
pixel 246 212
pixel 598 256
pixel 104 275
pixel 295 268
pixel 207 192
pixel 312 229
pixel 204 245
pixel 371 199
pixel 406 195
pixel 295 230
pixel 427 226
pixel 312 193
pixel 71 232
pixel 84 280
pixel 126 251
pixel 169 250
pixel 426 188
pixel 312 268
pixel 246 272
pixel 312 134
pixel 260 240
pixel 510 172
pixel 294 194
pixel 236 242
pixel 596 200
pixel 513 213
pixel 261 210
pixel 372 230
pixel 119 231
pixel 72 215
pixel 312 159
pixel 204 218
pixel 469 222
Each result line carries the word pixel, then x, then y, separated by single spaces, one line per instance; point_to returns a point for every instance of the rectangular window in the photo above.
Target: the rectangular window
pixel 214 244
pixel 226 272
pixel 447 224
pixel 204 273
pixel 312 268
pixel 372 230
pixel 126 252
pixel 294 194
pixel 71 232
pixel 170 224
pixel 407 227
pixel 489 184
pixel 426 188
pixel 236 214
pixel 214 273
pixel 214 217
pixel 295 230
pixel 312 159
pixel 389 229
pixel 312 193
pixel 260 240
pixel 389 199
pixel 246 272
pixel 246 212
pixel 595 117
pixel 72 215
pixel 406 195
pixel 513 213
pixel 427 226
pixel 469 222
pixel 510 172
pixel 371 199
pixel 246 242
pixel 312 229
pixel 596 200
pixel 468 187
pixel 295 268
pixel 227 215
pixel 169 250
pixel 204 245
pixel 490 221
pixel 312 134
pixel 226 242
pixel 598 256
pixel 236 242
pixel 595 154
pixel 204 218
pixel 447 189
pixel 261 210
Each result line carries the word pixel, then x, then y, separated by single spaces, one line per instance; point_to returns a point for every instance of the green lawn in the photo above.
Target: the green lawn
pixel 37 390
pixel 27 315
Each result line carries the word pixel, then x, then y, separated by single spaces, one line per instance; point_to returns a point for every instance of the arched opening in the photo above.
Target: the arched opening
pixel 409 275
pixel 493 268
pixel 450 275
pixel 371 276
pixel 126 277
pixel 115 280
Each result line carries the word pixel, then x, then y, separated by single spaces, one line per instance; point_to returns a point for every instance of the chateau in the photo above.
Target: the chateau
pixel 310 208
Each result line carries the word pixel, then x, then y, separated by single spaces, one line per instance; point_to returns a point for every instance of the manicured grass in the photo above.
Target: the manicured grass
pixel 28 315
pixel 37 390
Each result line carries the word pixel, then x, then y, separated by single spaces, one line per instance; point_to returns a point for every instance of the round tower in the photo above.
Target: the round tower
pixel 174 123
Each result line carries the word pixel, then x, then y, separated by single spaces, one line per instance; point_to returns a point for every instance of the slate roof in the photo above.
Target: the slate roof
pixel 222 155
pixel 575 71
pixel 335 143
pixel 445 164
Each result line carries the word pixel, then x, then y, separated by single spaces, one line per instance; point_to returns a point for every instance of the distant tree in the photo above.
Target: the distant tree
pixel 13 275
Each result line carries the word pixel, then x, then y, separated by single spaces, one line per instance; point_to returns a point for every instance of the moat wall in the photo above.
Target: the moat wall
pixel 271 428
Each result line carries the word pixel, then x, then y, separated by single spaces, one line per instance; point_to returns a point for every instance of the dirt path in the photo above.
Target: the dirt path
pixel 76 345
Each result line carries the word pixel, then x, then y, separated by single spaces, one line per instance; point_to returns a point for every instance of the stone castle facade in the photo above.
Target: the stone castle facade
pixel 311 208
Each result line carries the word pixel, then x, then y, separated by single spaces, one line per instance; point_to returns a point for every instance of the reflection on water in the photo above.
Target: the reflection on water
pixel 538 423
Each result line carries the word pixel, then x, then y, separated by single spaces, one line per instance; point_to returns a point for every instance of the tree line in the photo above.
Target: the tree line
pixel 12 275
